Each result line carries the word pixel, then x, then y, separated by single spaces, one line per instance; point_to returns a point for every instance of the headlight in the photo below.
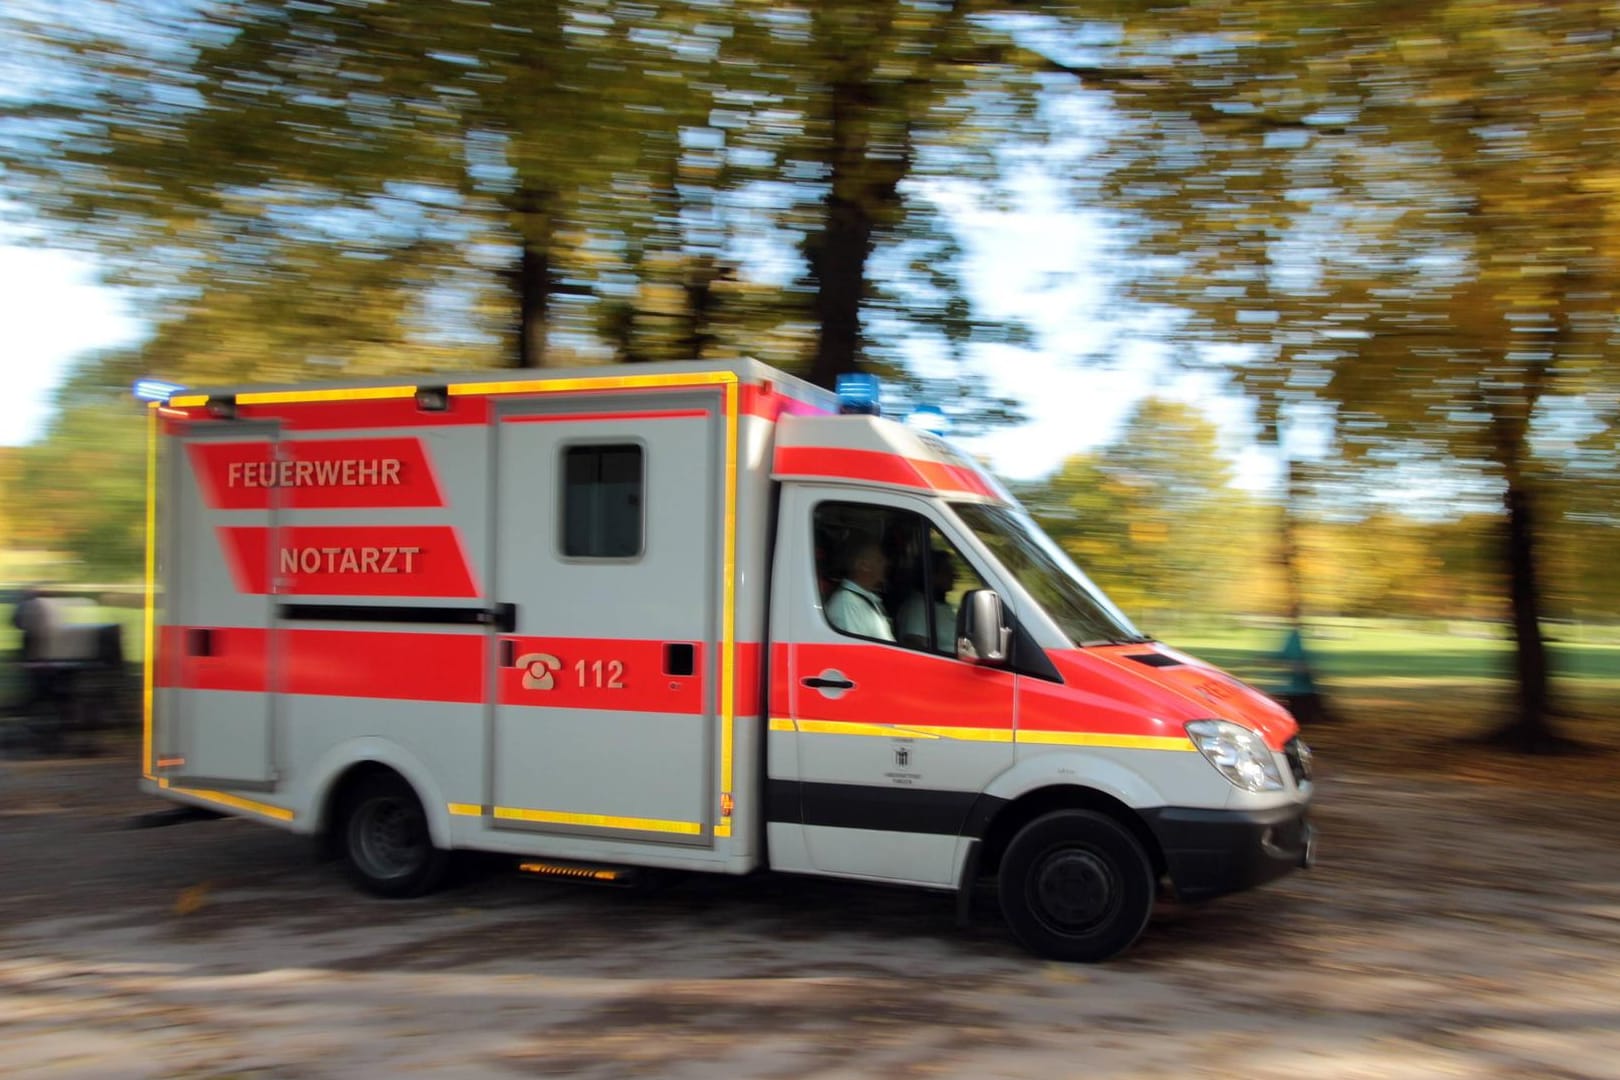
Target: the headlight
pixel 1239 754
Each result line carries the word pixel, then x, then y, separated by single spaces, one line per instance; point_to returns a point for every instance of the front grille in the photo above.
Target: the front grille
pixel 1299 759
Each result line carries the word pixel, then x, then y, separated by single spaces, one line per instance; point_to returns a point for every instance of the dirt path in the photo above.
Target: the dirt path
pixel 1452 930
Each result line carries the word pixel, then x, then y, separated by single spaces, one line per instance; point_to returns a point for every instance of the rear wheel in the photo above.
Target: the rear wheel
pixel 1076 885
pixel 386 841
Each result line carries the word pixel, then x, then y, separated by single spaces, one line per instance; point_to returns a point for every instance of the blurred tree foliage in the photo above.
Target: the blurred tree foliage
pixel 1406 212
pixel 86 485
pixel 1151 515
pixel 1389 220
pixel 357 186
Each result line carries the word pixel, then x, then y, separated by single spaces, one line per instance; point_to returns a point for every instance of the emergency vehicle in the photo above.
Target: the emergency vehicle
pixel 583 618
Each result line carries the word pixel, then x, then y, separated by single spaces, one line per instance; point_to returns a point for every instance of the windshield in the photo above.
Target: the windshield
pixel 1048 574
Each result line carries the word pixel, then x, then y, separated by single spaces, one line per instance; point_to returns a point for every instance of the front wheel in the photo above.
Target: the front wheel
pixel 1076 885
pixel 386 841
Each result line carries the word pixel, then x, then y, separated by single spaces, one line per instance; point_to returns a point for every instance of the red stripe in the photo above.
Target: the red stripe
pixel 943 477
pixel 747 699
pixel 763 399
pixel 368 664
pixel 349 560
pixel 406 666
pixel 599 673
pixel 874 466
pixel 329 663
pixel 382 413
pixel 236 660
pixel 900 686
pixel 781 700
pixel 552 418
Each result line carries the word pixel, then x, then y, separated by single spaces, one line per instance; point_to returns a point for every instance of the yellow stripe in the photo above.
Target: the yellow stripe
pixel 593 382
pixel 280 813
pixel 1125 742
pixel 999 735
pixel 728 615
pixel 892 731
pixel 598 821
pixel 466 389
pixel 149 618
pixel 461 809
pixel 362 393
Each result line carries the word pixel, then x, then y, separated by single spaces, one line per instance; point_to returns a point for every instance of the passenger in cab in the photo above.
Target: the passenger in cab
pixel 856 606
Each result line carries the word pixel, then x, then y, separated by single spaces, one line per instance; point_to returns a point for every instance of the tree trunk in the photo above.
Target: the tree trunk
pixel 532 280
pixel 1530 728
pixel 864 190
pixel 838 264
pixel 701 302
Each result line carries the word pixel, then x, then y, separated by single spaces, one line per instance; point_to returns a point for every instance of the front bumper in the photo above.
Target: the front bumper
pixel 1212 852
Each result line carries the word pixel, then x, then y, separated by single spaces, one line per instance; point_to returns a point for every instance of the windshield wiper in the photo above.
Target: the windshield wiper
pixel 1128 639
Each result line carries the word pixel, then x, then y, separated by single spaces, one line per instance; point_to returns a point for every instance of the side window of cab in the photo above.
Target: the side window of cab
pixel 886 574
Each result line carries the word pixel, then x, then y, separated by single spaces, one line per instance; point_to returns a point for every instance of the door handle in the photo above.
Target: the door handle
pixel 504 618
pixel 832 683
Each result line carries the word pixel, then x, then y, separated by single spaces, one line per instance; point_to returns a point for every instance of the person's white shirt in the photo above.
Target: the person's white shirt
pixel 854 610
pixel 913 623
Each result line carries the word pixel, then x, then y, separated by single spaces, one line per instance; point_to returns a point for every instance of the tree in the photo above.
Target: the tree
pixel 1391 213
pixel 596 157
pixel 1153 517
pixel 294 153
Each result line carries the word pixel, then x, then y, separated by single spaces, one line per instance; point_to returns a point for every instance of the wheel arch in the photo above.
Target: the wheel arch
pixel 1012 816
pixel 337 773
pixel 1066 780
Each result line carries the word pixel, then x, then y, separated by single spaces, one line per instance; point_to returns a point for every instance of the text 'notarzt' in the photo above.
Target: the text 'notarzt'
pixel 349 560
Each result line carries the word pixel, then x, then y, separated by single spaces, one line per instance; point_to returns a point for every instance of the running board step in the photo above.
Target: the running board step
pixel 595 873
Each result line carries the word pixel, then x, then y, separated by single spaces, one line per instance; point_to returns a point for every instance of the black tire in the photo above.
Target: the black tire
pixel 385 839
pixel 1076 885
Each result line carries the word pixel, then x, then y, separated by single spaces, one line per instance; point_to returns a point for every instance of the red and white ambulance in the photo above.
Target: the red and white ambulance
pixel 682 616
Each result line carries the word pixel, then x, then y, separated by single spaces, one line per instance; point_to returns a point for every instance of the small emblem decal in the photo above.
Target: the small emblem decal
pixel 902 756
pixel 538 670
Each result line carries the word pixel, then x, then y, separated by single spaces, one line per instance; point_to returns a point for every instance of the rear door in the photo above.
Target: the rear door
pixel 608 557
pixel 215 708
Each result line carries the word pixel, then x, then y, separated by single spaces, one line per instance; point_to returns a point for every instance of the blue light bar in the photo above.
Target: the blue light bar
pixel 858 393
pixel 155 390
pixel 929 418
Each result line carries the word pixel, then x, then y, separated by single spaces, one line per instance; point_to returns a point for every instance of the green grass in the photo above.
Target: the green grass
pixel 1374 653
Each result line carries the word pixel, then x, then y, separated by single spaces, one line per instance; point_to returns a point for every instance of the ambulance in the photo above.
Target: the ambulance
pixel 686 617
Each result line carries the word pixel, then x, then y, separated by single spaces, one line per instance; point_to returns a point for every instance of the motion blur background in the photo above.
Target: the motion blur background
pixel 1277 314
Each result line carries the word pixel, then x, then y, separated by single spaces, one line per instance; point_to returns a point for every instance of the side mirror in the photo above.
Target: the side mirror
pixel 982 634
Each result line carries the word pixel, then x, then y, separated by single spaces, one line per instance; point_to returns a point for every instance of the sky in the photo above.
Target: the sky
pixel 52 311
pixel 1026 263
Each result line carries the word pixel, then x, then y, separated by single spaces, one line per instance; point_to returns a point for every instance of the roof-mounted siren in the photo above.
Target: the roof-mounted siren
pixel 858 394
pixel 930 419
pixel 158 390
